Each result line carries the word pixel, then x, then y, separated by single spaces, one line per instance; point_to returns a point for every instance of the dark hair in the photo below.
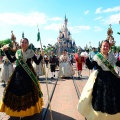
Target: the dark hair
pixel 103 42
pixel 65 50
pixel 24 39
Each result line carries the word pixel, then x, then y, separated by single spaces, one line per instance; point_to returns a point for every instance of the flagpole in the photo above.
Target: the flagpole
pixel 46 75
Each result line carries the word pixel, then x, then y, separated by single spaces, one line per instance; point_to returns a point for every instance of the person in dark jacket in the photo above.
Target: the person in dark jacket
pixel 52 61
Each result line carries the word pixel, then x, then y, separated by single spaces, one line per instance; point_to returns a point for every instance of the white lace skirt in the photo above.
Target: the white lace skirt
pixel 66 70
pixel 38 69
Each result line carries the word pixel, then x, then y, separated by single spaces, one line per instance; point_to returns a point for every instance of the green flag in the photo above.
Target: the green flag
pixel 38 36
pixel 118 33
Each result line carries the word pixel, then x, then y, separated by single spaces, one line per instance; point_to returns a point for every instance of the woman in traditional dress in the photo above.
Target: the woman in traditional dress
pixel 100 98
pixel 65 67
pixel 22 95
pixel 38 68
pixel 6 70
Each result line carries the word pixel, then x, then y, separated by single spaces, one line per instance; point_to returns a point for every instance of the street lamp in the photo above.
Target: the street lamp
pixel 89 44
pixel 90 47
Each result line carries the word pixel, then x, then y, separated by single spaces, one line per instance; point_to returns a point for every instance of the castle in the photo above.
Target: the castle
pixel 64 40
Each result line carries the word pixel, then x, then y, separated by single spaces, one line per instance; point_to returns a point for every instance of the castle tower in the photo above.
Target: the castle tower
pixel 64 39
pixel 65 27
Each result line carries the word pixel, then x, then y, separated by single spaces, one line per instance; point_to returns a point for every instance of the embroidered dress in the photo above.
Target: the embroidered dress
pixel 22 95
pixel 6 69
pixel 100 98
pixel 65 69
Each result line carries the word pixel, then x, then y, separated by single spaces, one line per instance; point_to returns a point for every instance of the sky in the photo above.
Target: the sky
pixel 88 20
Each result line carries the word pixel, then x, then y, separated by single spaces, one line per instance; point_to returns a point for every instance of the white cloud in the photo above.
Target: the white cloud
pixel 98 10
pixel 82 27
pixel 98 18
pixel 97 29
pixel 77 29
pixel 114 9
pixel 113 19
pixel 30 19
pixel 86 12
pixel 53 26
pixel 56 19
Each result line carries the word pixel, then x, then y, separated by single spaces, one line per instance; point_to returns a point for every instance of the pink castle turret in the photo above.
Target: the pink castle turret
pixel 64 40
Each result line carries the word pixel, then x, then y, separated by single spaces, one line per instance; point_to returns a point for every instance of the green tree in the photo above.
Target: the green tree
pixel 31 46
pixel 118 48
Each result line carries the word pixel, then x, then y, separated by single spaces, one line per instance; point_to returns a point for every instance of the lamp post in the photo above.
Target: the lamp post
pixel 90 47
pixel 89 44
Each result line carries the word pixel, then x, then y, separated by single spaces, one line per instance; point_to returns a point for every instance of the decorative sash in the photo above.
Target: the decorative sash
pixel 107 63
pixel 27 69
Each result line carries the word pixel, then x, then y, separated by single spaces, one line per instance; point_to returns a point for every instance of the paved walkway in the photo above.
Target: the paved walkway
pixel 65 99
pixel 43 85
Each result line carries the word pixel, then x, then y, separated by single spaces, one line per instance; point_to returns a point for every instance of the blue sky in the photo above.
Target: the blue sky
pixel 88 20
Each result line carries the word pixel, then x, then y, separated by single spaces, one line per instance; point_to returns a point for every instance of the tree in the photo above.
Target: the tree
pixel 31 46
pixel 113 48
pixel 118 48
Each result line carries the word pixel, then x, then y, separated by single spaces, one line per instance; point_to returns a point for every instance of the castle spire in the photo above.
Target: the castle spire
pixel 66 20
pixel 65 27
pixel 65 16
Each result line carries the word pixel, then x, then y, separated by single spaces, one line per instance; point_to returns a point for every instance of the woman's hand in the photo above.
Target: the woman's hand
pixel 5 47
